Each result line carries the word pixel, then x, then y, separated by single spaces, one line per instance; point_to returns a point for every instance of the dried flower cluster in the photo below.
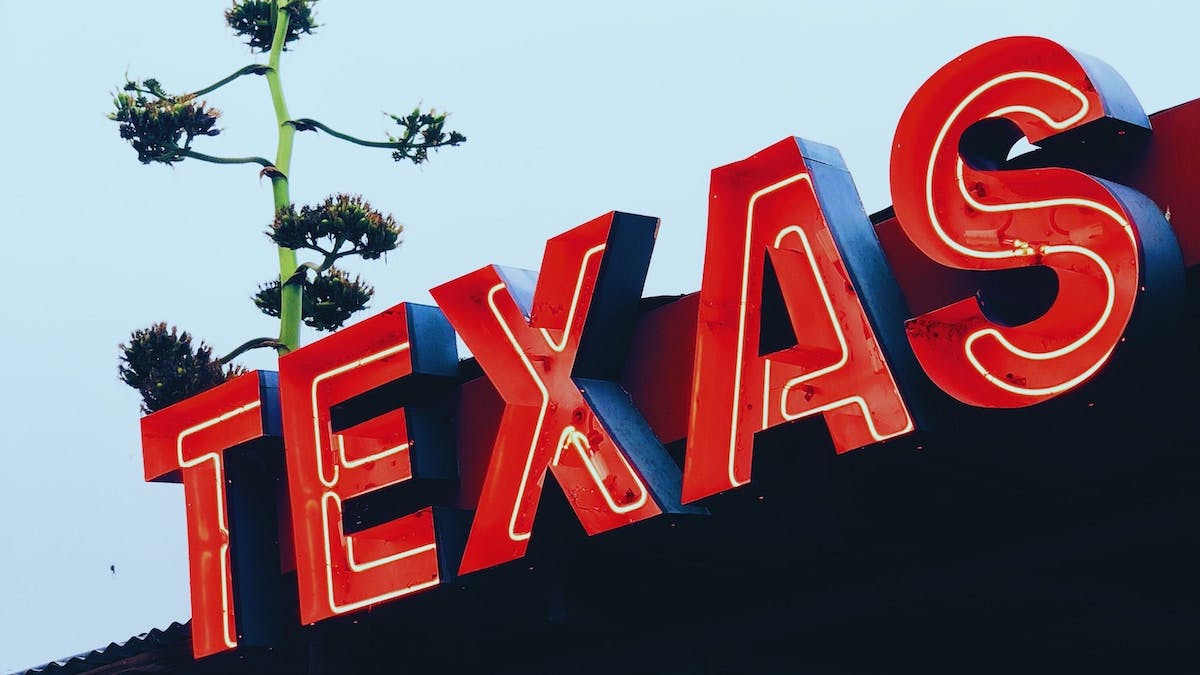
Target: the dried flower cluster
pixel 341 220
pixel 255 20
pixel 422 132
pixel 330 298
pixel 164 366
pixel 156 126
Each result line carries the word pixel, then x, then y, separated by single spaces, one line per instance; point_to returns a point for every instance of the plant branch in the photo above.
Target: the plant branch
pixel 256 343
pixel 308 124
pixel 252 69
pixel 184 152
pixel 153 93
pixel 330 259
pixel 304 267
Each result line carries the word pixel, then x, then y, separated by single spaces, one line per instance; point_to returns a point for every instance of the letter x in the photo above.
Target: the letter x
pixel 553 346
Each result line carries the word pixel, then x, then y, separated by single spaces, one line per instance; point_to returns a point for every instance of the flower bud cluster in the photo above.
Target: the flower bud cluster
pixel 422 132
pixel 160 128
pixel 329 298
pixel 340 220
pixel 255 20
pixel 165 368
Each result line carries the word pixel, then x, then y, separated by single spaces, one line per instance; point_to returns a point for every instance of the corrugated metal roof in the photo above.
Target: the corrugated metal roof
pixel 149 646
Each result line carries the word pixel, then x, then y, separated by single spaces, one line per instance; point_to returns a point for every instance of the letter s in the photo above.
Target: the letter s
pixel 1105 243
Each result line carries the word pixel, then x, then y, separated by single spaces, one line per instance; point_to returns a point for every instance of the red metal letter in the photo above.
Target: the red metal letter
pixel 799 315
pixel 955 205
pixel 374 445
pixel 554 356
pixel 187 441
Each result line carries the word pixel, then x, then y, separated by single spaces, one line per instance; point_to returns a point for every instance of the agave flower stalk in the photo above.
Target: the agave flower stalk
pixel 165 365
pixel 290 292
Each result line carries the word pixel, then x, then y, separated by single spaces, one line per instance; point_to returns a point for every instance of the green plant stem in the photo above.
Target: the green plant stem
pixel 330 256
pixel 252 69
pixel 402 143
pixel 325 264
pixel 224 160
pixel 290 291
pixel 308 122
pixel 256 343
pixel 155 94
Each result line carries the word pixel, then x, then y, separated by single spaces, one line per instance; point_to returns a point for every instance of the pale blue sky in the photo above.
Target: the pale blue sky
pixel 572 109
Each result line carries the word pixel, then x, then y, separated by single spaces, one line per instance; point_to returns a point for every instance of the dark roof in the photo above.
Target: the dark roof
pixel 145 649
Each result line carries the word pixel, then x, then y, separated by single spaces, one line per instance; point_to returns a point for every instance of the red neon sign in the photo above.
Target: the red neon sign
pixel 187 442
pixel 799 316
pixel 551 344
pixel 788 216
pixel 329 464
pixel 962 212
